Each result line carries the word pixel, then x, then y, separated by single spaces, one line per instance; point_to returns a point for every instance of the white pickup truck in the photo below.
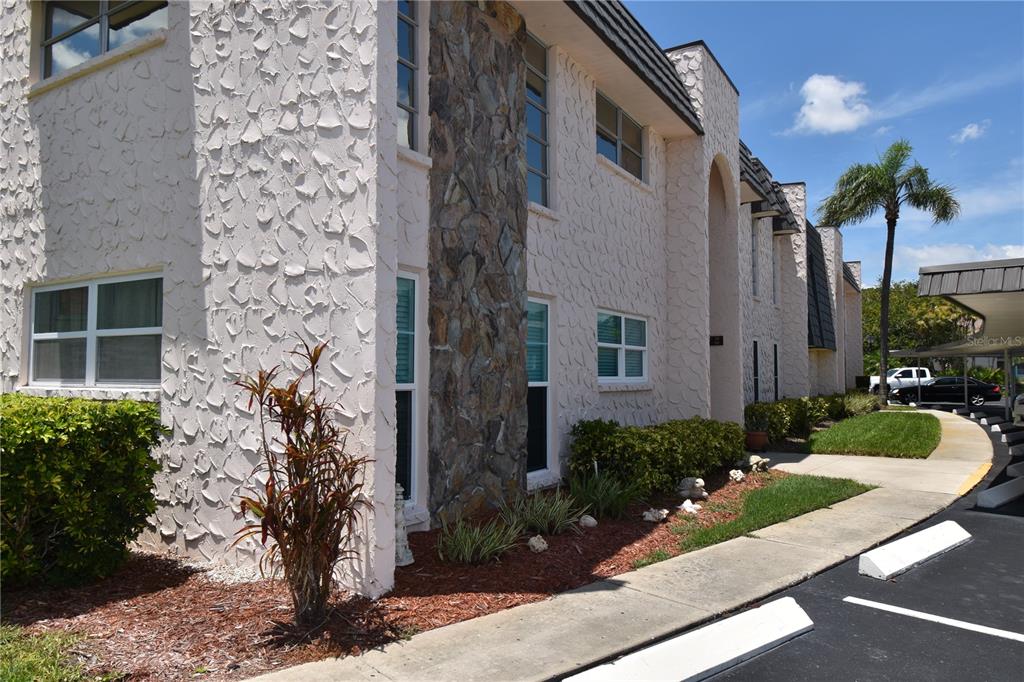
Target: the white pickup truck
pixel 902 376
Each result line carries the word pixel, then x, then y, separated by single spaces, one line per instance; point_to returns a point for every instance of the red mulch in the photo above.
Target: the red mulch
pixel 158 620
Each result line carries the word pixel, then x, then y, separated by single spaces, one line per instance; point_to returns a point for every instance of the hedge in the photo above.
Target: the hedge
pixel 654 458
pixel 77 485
pixel 796 417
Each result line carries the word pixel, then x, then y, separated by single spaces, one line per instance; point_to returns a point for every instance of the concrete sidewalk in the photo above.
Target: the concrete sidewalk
pixel 607 618
pixel 961 459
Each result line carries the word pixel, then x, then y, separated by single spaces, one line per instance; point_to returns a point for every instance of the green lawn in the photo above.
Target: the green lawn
pixel 779 500
pixel 880 434
pixel 26 658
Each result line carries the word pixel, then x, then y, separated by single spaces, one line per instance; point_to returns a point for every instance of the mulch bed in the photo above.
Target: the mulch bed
pixel 157 619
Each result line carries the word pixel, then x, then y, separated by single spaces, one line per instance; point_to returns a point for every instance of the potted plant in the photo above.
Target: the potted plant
pixel 757 425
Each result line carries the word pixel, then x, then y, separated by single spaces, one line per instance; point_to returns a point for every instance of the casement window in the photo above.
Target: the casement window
pixel 757 374
pixel 619 137
pixel 405 384
pixel 775 368
pixel 407 67
pixel 76 31
pixel 753 256
pixel 537 405
pixel 106 332
pixel 621 348
pixel 536 54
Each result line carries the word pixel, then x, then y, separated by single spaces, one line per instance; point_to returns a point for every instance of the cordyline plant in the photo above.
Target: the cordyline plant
pixel 312 496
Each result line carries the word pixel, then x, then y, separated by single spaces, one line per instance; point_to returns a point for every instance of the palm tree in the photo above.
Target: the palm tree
pixel 888 185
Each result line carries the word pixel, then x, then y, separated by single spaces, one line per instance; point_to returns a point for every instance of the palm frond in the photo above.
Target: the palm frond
pixel 859 193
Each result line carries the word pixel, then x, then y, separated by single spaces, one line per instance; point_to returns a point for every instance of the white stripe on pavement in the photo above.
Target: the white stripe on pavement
pixel 963 625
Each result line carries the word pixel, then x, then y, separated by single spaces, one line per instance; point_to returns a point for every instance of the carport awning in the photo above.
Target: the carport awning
pixel 976 346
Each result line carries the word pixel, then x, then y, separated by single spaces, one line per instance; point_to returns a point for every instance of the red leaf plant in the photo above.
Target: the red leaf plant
pixel 312 496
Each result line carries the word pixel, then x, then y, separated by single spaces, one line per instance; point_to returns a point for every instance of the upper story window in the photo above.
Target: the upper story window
pixel 754 275
pixel 619 138
pixel 621 348
pixel 536 120
pixel 407 67
pixel 74 32
pixel 105 332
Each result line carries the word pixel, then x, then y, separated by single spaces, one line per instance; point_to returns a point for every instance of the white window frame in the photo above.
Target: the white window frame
pixel 91 334
pixel 623 347
pixel 549 474
pixel 546 111
pixel 413 388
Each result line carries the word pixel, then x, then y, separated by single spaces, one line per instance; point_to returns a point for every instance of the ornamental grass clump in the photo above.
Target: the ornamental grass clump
pixel 463 542
pixel 544 513
pixel 312 497
pixel 605 495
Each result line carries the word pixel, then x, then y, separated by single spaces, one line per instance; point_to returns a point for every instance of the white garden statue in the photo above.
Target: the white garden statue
pixel 403 555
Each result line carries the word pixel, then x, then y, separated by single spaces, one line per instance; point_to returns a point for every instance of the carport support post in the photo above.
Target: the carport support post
pixel 917 372
pixel 1008 396
pixel 967 401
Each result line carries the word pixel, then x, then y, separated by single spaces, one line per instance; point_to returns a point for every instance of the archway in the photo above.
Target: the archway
pixel 725 362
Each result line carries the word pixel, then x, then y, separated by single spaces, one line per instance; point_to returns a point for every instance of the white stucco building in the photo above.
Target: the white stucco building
pixel 576 233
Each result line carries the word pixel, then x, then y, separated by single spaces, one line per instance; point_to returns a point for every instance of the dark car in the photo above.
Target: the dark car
pixel 947 390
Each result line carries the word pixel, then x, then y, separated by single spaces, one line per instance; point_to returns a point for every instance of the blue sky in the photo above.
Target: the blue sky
pixel 826 84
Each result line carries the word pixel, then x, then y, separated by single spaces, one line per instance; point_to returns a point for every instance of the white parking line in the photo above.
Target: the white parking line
pixel 983 629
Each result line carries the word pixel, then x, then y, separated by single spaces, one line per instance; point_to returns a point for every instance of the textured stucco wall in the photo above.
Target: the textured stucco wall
pixel 601 246
pixel 690 162
pixel 828 372
pixel 247 158
pixel 762 319
pixel 793 277
pixel 854 329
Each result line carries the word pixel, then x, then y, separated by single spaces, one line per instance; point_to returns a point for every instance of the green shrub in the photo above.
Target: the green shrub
pixel 604 495
pixel 803 414
pixel 544 513
pixel 655 458
pixel 463 542
pixel 768 417
pixel 77 483
pixel 860 403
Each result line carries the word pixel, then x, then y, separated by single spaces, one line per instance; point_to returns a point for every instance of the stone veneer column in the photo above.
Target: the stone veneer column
pixel 477 243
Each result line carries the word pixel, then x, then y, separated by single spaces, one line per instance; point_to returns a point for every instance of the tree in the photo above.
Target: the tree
pixel 889 185
pixel 914 322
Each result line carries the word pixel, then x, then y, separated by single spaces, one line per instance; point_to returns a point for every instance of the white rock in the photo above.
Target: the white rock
pixel 737 475
pixel 758 463
pixel 588 521
pixel 537 544
pixel 692 489
pixel 689 507
pixel 655 515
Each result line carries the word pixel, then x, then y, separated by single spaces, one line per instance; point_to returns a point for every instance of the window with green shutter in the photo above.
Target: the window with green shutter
pixel 405 321
pixel 538 408
pixel 621 348
pixel 405 379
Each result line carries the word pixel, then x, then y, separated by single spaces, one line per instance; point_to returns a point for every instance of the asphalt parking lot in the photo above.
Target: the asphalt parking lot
pixel 981 583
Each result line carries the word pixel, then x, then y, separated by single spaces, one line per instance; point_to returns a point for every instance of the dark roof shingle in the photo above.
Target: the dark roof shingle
pixel 621 32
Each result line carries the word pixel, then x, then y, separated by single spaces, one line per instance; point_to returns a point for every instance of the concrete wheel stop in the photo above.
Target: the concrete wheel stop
pixel 901 555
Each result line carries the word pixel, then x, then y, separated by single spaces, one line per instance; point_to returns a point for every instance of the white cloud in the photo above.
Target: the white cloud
pixel 66 56
pixel 911 258
pixel 982 201
pixel 882 130
pixel 971 131
pixel 831 105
